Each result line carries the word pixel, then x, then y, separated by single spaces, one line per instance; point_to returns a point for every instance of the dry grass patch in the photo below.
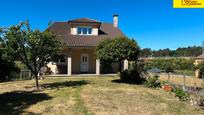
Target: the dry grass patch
pixel 87 96
pixel 119 99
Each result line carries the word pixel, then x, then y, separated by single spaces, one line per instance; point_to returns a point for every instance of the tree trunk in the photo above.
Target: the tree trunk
pixel 36 82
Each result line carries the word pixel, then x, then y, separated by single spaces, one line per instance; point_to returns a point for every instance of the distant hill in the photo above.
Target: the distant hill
pixel 191 51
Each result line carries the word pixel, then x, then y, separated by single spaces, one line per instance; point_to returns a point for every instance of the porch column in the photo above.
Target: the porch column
pixel 97 66
pixel 69 66
pixel 125 65
pixel 197 71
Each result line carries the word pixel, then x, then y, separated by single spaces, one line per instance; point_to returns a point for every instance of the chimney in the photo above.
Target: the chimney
pixel 115 21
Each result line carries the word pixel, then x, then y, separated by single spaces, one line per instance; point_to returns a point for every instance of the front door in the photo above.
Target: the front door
pixel 84 63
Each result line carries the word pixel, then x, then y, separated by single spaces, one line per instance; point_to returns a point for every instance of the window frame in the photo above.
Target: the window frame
pixel 82 30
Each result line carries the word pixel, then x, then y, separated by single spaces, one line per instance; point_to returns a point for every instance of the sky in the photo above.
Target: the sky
pixel 152 23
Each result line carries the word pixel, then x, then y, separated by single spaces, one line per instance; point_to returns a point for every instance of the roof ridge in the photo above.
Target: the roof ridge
pixel 92 19
pixel 84 19
pixel 60 21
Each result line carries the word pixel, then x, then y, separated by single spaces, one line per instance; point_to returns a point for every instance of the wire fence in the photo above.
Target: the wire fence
pixel 187 83
pixel 22 75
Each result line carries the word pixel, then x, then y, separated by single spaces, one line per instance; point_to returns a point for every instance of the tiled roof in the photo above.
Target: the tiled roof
pixel 86 20
pixel 106 30
pixel 200 56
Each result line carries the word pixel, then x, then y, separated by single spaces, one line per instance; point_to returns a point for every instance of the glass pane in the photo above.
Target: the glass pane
pixel 79 30
pixel 89 30
pixel 85 30
pixel 85 59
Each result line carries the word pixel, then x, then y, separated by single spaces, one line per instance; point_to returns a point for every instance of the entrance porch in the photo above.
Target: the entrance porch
pixel 80 60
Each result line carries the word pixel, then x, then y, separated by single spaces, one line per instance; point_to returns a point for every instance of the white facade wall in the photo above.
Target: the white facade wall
pixel 74 31
pixel 95 31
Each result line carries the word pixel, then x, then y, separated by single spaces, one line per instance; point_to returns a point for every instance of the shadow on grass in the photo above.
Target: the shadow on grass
pixel 14 103
pixel 57 85
pixel 138 82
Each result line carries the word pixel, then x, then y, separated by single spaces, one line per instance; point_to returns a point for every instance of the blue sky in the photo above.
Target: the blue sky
pixel 153 23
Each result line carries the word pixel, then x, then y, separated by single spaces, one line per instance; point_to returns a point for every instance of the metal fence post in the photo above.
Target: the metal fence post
pixel 21 75
pixel 184 82
pixel 29 74
pixel 169 77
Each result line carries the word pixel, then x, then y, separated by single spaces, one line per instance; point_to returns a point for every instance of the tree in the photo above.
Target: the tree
pixel 32 47
pixel 162 53
pixel 146 52
pixel 190 51
pixel 117 50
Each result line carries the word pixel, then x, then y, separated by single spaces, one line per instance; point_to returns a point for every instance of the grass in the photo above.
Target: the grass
pixel 88 96
pixel 185 72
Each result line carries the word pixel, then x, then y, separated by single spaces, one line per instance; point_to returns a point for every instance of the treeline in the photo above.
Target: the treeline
pixel 191 51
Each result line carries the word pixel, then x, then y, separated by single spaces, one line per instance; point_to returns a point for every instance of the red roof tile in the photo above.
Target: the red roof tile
pixel 200 56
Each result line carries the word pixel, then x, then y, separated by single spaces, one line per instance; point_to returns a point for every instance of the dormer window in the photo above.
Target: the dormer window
pixel 84 31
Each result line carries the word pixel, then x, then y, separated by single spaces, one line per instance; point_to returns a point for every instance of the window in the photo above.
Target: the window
pixel 89 30
pixel 79 30
pixel 84 31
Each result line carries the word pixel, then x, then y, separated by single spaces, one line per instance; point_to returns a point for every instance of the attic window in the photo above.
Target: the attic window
pixel 84 31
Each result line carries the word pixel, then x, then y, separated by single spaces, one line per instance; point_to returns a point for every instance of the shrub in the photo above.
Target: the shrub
pixel 201 68
pixel 134 74
pixel 201 101
pixel 169 65
pixel 181 94
pixel 153 82
pixel 106 67
pixel 8 68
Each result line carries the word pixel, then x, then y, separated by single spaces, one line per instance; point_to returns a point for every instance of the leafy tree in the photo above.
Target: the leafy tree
pixel 162 53
pixel 31 47
pixel 146 52
pixel 117 50
pixel 190 51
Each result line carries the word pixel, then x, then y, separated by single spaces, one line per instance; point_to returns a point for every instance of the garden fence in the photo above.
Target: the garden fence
pixel 23 75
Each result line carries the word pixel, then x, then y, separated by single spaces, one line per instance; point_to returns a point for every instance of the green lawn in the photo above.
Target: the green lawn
pixel 92 95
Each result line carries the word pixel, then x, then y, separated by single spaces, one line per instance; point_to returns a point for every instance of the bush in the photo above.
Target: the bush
pixel 134 74
pixel 169 65
pixel 185 72
pixel 7 67
pixel 153 82
pixel 106 67
pixel 201 68
pixel 201 101
pixel 181 94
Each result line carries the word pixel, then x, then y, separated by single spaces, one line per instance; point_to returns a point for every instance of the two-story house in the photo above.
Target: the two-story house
pixel 81 37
